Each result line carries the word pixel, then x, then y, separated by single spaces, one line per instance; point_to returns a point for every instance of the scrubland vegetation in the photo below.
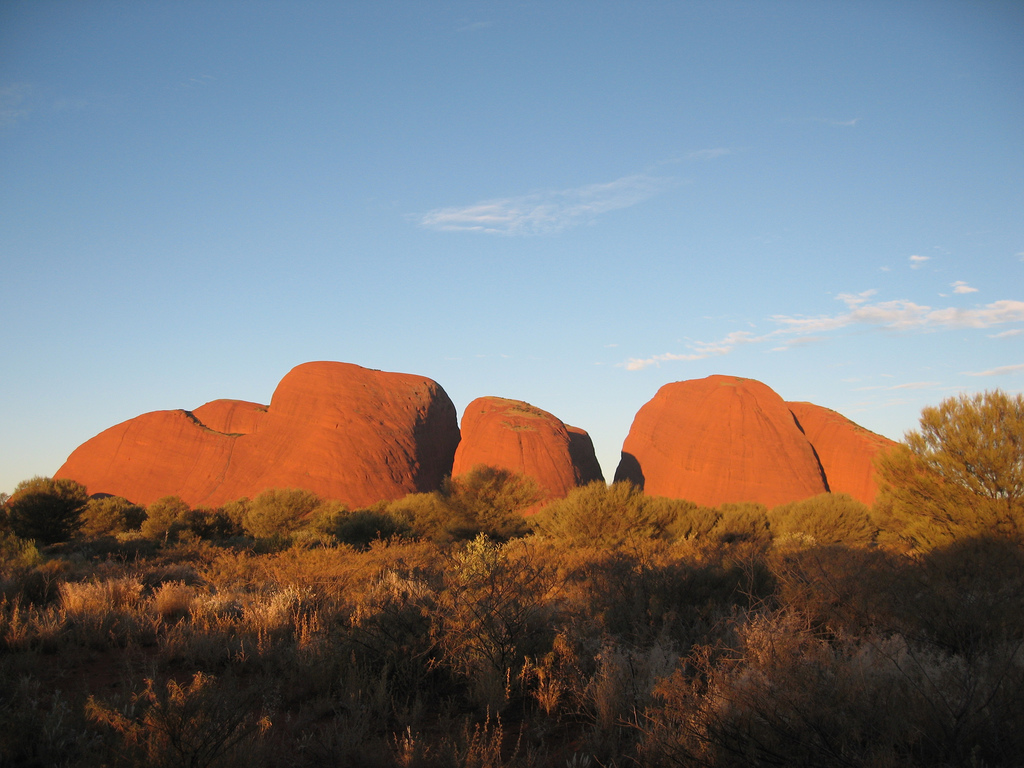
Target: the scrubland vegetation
pixel 609 629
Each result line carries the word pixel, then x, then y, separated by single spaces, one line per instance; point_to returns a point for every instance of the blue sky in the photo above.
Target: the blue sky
pixel 568 203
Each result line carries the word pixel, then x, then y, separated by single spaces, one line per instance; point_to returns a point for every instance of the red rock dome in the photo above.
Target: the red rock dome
pixel 846 450
pixel 516 436
pixel 720 439
pixel 339 430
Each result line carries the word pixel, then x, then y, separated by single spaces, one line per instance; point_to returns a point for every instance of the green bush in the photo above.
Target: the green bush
pixel 279 512
pixel 828 518
pixel 489 500
pixel 47 510
pixel 745 521
pixel 111 514
pixel 611 515
pixel 960 474
pixel 165 518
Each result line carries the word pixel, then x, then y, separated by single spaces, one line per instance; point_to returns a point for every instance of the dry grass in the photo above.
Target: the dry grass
pixel 406 654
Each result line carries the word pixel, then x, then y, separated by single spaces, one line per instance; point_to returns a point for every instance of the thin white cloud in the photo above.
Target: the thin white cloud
pixel 917 260
pixel 545 212
pixel 1000 371
pixel 11 108
pixel 709 154
pixel 900 315
pixel 1007 334
pixel 908 385
pixel 961 287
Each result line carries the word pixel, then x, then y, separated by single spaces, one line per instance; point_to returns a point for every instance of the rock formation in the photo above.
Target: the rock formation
pixel 339 430
pixel 846 450
pixel 727 439
pixel 514 435
pixel 720 439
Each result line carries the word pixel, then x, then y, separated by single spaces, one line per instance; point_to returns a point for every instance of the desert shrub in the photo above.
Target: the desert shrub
pixel 236 511
pixel 787 697
pixel 426 516
pixel 489 500
pixel 17 553
pixel 828 518
pixel 108 515
pixel 840 591
pixel 47 510
pixel 103 611
pixel 960 474
pixel 964 598
pixel 201 723
pixel 360 527
pixel 492 614
pixel 611 515
pixel 165 518
pixel 743 521
pixel 209 523
pixel 279 512
pixel 173 600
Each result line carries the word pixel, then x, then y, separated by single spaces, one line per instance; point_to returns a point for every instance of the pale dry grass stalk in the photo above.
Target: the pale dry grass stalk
pixel 173 601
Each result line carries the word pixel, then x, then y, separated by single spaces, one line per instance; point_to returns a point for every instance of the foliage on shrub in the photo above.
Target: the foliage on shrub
pixel 47 510
pixel 960 474
pixel 489 500
pixel 165 518
pixel 279 512
pixel 828 518
pixel 612 515
pixel 109 515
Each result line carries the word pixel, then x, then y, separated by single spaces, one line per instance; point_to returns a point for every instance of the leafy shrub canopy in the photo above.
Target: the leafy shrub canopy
pixel 47 510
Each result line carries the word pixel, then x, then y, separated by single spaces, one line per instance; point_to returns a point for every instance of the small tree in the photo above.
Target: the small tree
pixel 279 512
pixel 165 518
pixel 490 500
pixel 961 473
pixel 47 510
pixel 828 518
pixel 111 514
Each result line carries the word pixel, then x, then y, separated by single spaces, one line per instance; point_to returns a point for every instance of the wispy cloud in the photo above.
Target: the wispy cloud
pixel 894 387
pixel 916 260
pixel 840 123
pixel 709 154
pixel 1000 371
pixel 11 103
pixel 961 287
pixel 472 26
pixel 1007 334
pixel 545 212
pixel 899 315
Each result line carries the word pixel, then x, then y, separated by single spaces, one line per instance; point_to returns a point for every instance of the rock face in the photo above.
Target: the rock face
pixel 514 435
pixel 339 430
pixel 720 439
pixel 727 439
pixel 846 450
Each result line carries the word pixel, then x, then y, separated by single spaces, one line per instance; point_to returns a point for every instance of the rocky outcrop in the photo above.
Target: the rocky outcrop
pixel 339 430
pixel 584 458
pixel 516 436
pixel 720 439
pixel 846 450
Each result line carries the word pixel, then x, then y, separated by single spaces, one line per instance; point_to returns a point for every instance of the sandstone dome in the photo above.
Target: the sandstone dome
pixel 519 437
pixel 336 429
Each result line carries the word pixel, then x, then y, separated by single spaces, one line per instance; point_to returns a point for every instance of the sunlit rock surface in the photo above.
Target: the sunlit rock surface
pixel 717 440
pixel 339 430
pixel 516 436
pixel 845 449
